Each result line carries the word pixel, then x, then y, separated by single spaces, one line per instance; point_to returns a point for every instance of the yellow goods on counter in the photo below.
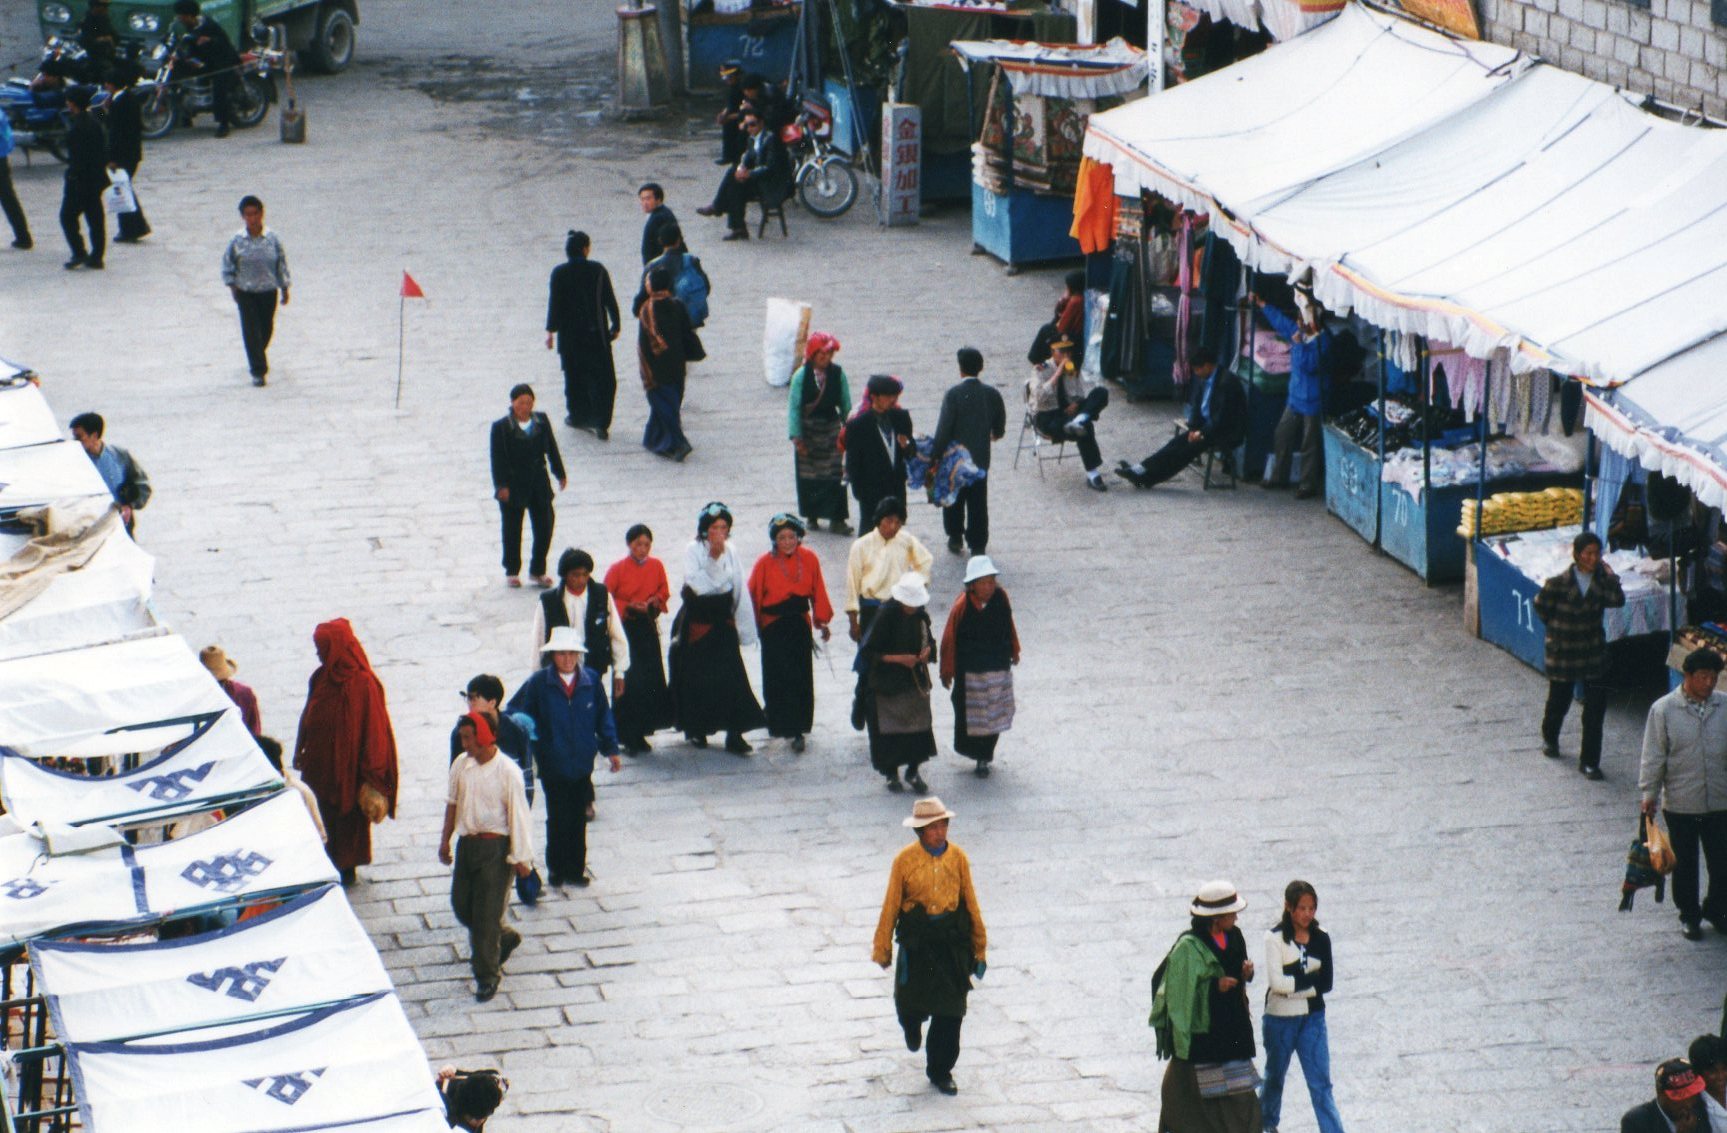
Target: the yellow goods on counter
pixel 1505 512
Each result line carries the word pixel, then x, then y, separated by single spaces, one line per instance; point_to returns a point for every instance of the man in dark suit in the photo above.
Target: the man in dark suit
pixel 582 321
pixel 124 113
pixel 1216 422
pixel 1678 1103
pixel 653 201
pixel 876 443
pixel 210 49
pixel 522 447
pixel 86 177
pixel 972 414
pixel 763 173
pixel 731 133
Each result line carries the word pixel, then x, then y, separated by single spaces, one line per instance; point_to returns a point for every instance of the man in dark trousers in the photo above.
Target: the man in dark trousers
pixel 8 195
pixel 522 447
pixel 671 257
pixel 572 725
pixel 582 321
pixel 1678 1105
pixel 96 35
pixel 973 415
pixel 124 112
pixel 729 118
pixel 1216 422
pixel 1570 603
pixel 86 177
pixel 210 49
pixel 653 202
pixel 763 173
pixel 876 443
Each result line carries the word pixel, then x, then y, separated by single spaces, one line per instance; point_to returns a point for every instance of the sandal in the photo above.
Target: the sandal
pixel 513 582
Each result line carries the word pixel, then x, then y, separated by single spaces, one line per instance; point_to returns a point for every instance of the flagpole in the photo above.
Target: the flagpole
pixel 401 338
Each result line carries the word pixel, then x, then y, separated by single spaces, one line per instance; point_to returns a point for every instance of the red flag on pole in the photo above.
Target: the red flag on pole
pixel 410 289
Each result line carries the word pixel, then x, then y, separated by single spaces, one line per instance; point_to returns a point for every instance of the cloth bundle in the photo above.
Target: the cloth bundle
pixel 954 472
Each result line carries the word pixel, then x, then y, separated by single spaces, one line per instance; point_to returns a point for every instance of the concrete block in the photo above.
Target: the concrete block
pixel 1676 68
pixel 1571 59
pixel 1583 39
pixel 1571 9
pixel 1703 78
pixel 1624 54
pixel 1691 43
pixel 1618 19
pixel 1638 24
pixel 1664 35
pixel 1595 13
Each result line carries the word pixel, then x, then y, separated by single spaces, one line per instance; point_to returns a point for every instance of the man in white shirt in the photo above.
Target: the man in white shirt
pixel 486 810
pixel 1708 1057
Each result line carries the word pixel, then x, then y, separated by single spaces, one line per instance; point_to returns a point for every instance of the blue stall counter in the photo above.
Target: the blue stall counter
pixel 1352 484
pixel 762 38
pixel 1022 227
pixel 1506 597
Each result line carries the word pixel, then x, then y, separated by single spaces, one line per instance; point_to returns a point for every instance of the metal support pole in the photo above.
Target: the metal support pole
pixel 1378 520
pixel 1588 481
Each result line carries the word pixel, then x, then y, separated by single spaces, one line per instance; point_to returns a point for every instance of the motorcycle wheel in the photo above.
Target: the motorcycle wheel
pixel 828 189
pixel 253 103
pixel 159 111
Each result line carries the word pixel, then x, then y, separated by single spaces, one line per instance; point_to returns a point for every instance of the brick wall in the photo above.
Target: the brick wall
pixel 1673 49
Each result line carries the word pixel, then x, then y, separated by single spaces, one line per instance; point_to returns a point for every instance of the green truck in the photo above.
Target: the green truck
pixel 322 31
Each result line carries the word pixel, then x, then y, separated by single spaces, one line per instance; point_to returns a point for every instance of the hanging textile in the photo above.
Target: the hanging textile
pixel 1184 302
pixel 1124 325
pixel 1613 470
pixel 1094 207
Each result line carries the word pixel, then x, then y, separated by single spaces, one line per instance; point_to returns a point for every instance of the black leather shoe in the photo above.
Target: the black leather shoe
pixel 74 262
pixel 697 741
pixel 582 882
pixel 798 744
pixel 916 783
pixel 603 434
pixel 840 527
pixel 486 992
pixel 895 785
pixel 1098 485
pixel 707 210
pixel 737 234
pixel 945 1085
pixel 1593 774
pixel 737 745
pixel 1137 479
pixel 507 947
pixel 1691 930
pixel 982 769
pixel 956 545
pixel 1550 749
pixel 222 132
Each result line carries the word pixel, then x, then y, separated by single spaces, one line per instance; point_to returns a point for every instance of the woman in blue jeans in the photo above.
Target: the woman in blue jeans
pixel 1298 962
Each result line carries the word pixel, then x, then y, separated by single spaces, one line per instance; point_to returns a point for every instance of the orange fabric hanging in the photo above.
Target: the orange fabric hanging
pixel 1094 206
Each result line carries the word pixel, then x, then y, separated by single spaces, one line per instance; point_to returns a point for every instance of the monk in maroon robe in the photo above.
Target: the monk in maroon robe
pixel 346 750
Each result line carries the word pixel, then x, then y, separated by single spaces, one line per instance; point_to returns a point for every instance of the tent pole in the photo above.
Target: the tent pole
pixel 1588 479
pixel 1380 471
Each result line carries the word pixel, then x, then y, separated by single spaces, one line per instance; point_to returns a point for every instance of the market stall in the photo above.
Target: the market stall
pixel 25 418
pixel 79 581
pixel 45 474
pixel 763 36
pixel 1025 162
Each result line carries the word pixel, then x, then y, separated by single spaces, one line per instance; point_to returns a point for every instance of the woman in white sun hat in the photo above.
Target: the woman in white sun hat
pixel 979 648
pixel 894 658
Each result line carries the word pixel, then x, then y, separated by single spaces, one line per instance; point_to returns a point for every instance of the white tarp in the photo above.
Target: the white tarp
pixel 308 953
pixel 1060 70
pixel 42 474
pixel 270 848
pixel 107 599
pixel 25 418
pixel 77 702
pixel 216 759
pixel 1673 420
pixel 330 1069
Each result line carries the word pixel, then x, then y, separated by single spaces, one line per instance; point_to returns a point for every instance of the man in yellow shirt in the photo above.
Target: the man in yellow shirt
pixel 932 909
pixel 877 560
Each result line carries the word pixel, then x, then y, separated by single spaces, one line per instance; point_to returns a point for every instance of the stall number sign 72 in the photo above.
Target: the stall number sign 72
pixel 752 46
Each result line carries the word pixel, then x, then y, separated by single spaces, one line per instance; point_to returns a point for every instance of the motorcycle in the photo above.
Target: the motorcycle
pixel 36 107
pixel 178 93
pixel 826 183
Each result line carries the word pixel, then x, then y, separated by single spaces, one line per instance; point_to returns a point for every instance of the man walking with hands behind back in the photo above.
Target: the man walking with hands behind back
pixel 1685 769
pixel 255 269
pixel 486 810
pixel 974 415
pixel 1571 603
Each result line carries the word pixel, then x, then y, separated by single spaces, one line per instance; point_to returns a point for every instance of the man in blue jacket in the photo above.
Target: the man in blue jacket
pixel 1308 342
pixel 573 724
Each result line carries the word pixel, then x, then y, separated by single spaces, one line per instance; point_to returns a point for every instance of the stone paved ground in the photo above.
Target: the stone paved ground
pixel 1216 684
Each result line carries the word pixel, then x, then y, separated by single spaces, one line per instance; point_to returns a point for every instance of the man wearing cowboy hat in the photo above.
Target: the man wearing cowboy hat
pixel 572 724
pixel 1062 406
pixel 223 668
pixel 931 907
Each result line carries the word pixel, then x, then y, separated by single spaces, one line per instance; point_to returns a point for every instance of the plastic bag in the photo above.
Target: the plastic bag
pixel 784 332
pixel 118 197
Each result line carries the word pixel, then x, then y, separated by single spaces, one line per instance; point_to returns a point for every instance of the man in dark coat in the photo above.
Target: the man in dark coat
pixel 729 119
pixel 582 321
pixel 1216 422
pixel 876 443
pixel 210 49
pixel 1677 1107
pixel 86 177
pixel 761 96
pixel 653 202
pixel 973 415
pixel 96 35
pixel 763 173
pixel 522 447
pixel 124 114
pixel 671 258
pixel 1570 603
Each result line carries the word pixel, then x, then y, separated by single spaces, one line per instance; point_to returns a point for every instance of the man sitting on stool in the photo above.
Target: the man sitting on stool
pixel 1062 406
pixel 1216 422
pixel 763 173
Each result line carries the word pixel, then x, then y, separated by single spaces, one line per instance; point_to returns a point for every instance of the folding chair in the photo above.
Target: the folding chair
pixel 1038 442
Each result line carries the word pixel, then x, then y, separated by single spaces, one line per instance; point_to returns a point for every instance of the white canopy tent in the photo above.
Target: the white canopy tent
pixel 309 953
pixel 130 696
pixel 353 1066
pixel 1060 70
pixel 1673 420
pixel 271 848
pixel 215 761
pixel 105 599
pixel 42 474
pixel 25 418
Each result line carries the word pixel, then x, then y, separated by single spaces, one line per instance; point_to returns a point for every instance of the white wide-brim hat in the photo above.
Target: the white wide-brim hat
pixel 979 566
pixel 1216 898
pixel 910 590
pixel 564 639
pixel 926 811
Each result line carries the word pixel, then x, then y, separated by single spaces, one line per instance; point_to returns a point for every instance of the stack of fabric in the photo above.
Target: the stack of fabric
pixel 1505 512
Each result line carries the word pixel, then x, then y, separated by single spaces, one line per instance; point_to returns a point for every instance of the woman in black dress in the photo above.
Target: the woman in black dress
pixel 637 584
pixel 710 690
pixel 895 655
pixel 979 648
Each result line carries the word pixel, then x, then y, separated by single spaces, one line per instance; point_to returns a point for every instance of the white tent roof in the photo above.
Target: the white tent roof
pixel 308 953
pixel 25 418
pixel 1673 420
pixel 216 759
pixel 336 1068
pixel 1060 70
pixel 41 474
pixel 101 700
pixel 107 599
pixel 271 848
pixel 1451 189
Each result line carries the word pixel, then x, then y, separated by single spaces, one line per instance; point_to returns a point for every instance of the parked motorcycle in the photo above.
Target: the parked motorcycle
pixel 179 92
pixel 826 183
pixel 36 107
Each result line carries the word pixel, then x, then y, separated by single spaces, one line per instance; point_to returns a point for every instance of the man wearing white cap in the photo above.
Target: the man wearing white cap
pixel 931 908
pixel 572 724
pixel 893 659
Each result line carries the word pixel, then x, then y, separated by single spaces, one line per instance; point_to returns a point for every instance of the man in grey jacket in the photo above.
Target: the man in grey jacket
pixel 972 414
pixel 1685 768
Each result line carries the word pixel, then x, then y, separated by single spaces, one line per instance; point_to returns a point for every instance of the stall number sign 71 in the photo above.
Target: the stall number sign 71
pixel 1525 613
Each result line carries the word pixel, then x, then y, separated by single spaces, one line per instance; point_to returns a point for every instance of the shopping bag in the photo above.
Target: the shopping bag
pixel 1660 849
pixel 1641 870
pixel 118 196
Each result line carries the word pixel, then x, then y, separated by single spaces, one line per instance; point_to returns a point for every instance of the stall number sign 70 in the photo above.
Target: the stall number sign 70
pixel 1400 508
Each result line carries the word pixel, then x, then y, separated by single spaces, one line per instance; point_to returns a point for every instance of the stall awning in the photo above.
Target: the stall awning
pixel 105 700
pixel 25 418
pixel 1673 420
pixel 270 849
pixel 1453 189
pixel 45 473
pixel 1055 70
pixel 214 761
pixel 72 597
pixel 309 953
pixel 356 1066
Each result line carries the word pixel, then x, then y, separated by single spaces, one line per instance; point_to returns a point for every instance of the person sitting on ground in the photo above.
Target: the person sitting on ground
pixel 763 173
pixel 1677 1106
pixel 1216 422
pixel 1063 406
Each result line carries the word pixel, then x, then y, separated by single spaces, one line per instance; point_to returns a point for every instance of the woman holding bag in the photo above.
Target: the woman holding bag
pixel 665 345
pixel 895 656
pixel 1299 973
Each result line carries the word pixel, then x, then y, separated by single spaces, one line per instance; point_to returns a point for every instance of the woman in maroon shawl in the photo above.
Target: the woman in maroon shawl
pixel 346 751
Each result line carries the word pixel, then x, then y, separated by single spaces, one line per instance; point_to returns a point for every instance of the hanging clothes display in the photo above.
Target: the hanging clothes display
pixel 1124 326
